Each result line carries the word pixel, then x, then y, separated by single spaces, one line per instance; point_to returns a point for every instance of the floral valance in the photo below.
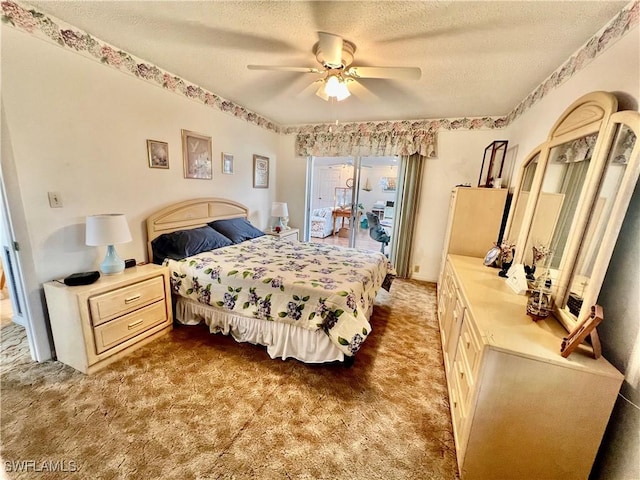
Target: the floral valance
pixel 367 139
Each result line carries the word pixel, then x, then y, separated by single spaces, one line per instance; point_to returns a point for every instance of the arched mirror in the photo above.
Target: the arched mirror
pixel 570 190
pixel 562 186
pixel 616 185
pixel 568 162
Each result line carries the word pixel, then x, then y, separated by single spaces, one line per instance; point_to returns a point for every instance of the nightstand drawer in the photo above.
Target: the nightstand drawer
pixel 117 331
pixel 124 300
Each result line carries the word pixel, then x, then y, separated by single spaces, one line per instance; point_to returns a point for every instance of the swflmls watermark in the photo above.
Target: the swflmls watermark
pixel 20 466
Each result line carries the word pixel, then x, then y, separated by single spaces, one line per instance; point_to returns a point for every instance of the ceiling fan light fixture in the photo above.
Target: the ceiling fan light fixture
pixel 342 91
pixel 333 86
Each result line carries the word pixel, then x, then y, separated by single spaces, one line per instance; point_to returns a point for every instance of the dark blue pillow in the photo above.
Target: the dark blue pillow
pixel 236 229
pixel 184 243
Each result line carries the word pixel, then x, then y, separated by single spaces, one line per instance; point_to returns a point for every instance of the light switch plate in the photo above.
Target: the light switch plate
pixel 55 200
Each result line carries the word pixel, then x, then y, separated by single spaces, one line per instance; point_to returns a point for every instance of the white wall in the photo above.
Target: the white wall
pixel 80 129
pixel 76 127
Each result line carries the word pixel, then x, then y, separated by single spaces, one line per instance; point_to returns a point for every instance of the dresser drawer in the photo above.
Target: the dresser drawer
pixel 464 382
pixel 469 347
pixel 458 413
pixel 117 331
pixel 452 331
pixel 108 306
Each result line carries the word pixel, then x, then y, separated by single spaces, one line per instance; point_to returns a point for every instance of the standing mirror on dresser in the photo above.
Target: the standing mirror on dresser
pixel 522 190
pixel 614 190
pixel 566 209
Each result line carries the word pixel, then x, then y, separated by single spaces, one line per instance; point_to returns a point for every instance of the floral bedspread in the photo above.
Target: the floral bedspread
pixel 314 286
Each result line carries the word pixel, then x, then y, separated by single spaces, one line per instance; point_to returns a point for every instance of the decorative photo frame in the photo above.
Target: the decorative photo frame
pixel 260 171
pixel 227 163
pixel 492 164
pixel 158 154
pixel 196 153
pixel 388 184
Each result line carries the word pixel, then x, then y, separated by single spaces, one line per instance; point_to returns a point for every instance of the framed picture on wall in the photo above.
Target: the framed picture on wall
pixel 388 184
pixel 227 163
pixel 260 171
pixel 196 153
pixel 158 154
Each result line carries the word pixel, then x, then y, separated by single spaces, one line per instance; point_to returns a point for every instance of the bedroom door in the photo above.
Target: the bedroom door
pixel 324 187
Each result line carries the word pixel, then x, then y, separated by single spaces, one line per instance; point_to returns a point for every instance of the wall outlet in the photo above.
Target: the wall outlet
pixel 416 268
pixel 55 200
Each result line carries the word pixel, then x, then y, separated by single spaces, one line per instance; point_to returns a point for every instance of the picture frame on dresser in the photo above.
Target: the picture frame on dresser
pixel 493 164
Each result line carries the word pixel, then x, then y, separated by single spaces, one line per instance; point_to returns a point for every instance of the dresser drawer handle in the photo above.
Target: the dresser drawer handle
pixel 132 299
pixel 135 324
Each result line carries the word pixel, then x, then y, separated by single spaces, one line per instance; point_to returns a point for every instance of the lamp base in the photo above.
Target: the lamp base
pixel 282 223
pixel 112 263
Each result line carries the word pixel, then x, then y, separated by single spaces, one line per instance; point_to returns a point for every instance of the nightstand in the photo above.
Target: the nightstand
pixel 95 325
pixel 292 234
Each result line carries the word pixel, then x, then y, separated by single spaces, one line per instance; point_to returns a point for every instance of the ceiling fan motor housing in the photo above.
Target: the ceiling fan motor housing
pixel 324 58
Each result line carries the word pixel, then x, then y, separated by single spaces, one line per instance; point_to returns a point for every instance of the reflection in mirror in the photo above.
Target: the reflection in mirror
pixel 562 185
pixel 528 173
pixel 618 159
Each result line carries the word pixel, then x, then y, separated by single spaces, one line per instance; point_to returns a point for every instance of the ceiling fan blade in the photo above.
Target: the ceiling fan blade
pixel 309 89
pixel 361 92
pixel 330 47
pixel 285 69
pixel 402 73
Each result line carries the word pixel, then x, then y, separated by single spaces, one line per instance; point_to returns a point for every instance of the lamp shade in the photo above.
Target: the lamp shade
pixel 107 229
pixel 279 209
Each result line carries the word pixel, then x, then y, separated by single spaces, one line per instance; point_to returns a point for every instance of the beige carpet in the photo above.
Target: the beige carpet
pixel 197 406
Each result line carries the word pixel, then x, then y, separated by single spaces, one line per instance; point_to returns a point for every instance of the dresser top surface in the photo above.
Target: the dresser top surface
pixel 501 319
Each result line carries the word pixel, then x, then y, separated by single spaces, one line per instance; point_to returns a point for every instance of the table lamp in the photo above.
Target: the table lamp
pixel 280 210
pixel 108 229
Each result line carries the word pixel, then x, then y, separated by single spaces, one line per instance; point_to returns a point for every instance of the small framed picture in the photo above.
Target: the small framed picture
pixel 196 152
pixel 260 171
pixel 227 163
pixel 388 184
pixel 158 153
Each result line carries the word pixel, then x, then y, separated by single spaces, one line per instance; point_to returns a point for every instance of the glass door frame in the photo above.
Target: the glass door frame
pixel 357 164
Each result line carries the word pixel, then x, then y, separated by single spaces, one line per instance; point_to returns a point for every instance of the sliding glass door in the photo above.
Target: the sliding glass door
pixel 352 201
pixel 375 199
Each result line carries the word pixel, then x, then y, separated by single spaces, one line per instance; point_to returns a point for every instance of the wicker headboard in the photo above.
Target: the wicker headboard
pixel 191 214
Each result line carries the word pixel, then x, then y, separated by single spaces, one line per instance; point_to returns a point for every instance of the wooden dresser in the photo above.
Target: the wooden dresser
pixel 519 409
pixel 474 219
pixel 94 325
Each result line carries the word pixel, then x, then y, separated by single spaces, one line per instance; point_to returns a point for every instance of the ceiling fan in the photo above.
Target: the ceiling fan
pixel 335 56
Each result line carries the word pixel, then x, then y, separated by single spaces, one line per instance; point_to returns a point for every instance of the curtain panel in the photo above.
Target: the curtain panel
pixel 409 186
pixel 367 140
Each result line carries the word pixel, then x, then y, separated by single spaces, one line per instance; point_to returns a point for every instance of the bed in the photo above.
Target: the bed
pixel 307 301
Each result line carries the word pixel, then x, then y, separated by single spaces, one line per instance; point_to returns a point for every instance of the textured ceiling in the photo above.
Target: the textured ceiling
pixel 477 58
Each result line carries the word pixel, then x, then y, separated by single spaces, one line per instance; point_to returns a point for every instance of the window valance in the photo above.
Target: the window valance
pixel 367 139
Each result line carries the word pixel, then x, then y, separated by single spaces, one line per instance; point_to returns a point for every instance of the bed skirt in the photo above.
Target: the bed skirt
pixel 283 340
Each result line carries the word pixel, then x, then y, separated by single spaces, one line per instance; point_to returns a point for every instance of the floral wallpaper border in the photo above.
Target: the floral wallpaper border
pixel 42 25
pixel 49 28
pixel 617 28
